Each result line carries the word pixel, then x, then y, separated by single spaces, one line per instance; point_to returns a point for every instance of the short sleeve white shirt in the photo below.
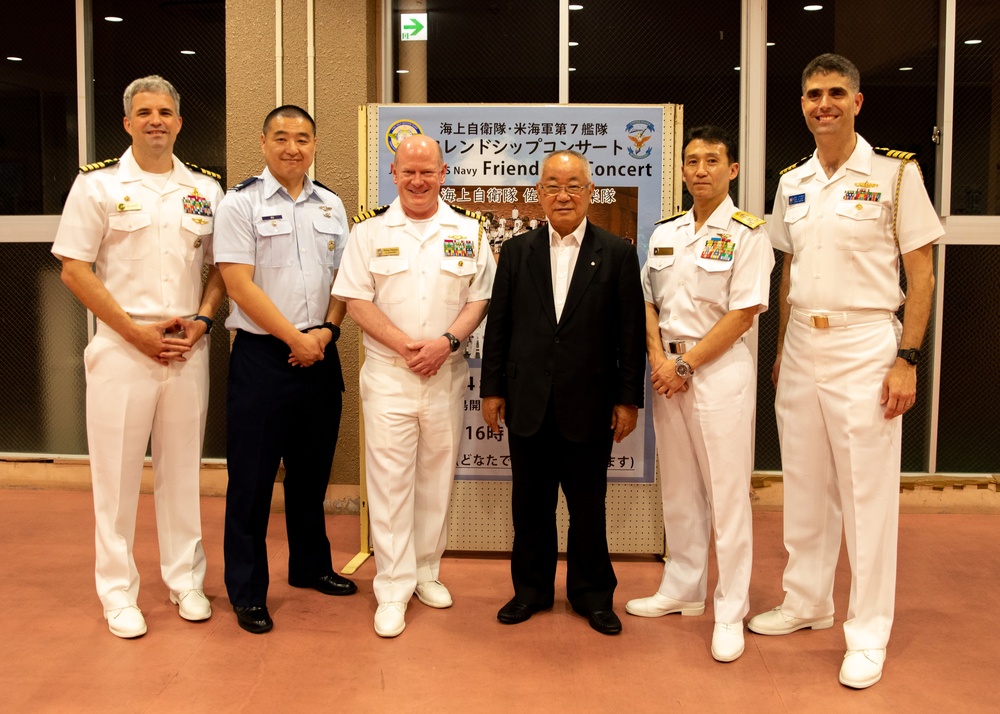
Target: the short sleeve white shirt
pixel 420 279
pixel 695 277
pixel 148 244
pixel 839 230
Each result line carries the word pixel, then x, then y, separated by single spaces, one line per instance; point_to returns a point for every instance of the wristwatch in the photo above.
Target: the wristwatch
pixel 454 341
pixel 911 355
pixel 682 368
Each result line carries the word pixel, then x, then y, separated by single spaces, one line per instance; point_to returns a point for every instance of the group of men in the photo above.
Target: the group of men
pixel 571 321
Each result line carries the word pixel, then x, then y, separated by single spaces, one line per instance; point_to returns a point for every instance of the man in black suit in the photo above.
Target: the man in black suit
pixel 563 368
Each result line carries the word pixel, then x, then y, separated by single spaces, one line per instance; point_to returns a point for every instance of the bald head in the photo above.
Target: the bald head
pixel 418 143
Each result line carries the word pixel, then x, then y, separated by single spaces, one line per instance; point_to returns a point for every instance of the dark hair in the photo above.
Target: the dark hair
pixel 711 135
pixel 289 111
pixel 827 63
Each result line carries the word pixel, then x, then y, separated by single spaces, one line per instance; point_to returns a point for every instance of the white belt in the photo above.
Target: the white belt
pixel 679 347
pixel 824 320
pixel 400 362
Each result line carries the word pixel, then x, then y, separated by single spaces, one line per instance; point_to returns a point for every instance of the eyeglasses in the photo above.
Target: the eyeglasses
pixel 570 190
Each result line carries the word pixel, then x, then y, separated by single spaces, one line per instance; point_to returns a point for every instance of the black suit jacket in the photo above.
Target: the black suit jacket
pixel 592 359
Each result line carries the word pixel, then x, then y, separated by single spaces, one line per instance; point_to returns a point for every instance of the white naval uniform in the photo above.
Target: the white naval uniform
pixel 703 435
pixel 148 246
pixel 840 456
pixel 412 423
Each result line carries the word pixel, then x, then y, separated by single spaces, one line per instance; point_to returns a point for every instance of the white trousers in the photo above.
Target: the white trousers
pixel 130 400
pixel 412 430
pixel 840 459
pixel 703 444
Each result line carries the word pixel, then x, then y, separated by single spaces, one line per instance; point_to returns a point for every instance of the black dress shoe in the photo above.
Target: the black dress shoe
pixel 254 618
pixel 516 612
pixel 604 621
pixel 331 584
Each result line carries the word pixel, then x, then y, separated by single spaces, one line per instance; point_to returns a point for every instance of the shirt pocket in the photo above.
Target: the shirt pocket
pixel 795 226
pixel 659 274
pixel 390 278
pixel 129 238
pixel 857 225
pixel 195 230
pixel 329 234
pixel 275 244
pixel 711 280
pixel 458 274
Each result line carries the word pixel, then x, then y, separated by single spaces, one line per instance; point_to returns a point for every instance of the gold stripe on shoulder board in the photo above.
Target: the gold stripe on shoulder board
pixel 895 153
pixel 795 165
pixel 371 213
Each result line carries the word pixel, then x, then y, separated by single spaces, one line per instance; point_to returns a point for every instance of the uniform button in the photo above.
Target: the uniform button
pixel 557 342
pixel 681 283
pixel 673 317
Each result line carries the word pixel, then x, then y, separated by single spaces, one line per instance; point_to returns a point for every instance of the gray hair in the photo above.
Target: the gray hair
pixel 152 83
pixel 568 152
pixel 827 63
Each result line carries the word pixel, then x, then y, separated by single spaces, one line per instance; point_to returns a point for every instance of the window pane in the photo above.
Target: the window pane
pixel 899 112
pixel 969 411
pixel 976 149
pixel 42 407
pixel 126 50
pixel 504 51
pixel 38 118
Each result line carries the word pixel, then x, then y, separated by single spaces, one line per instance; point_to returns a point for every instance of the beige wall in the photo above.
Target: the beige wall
pixel 345 51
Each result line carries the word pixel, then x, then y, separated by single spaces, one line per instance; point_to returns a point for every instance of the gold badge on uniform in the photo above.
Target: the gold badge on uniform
pixel 197 242
pixel 386 252
pixel 128 205
pixel 329 245
pixel 667 250
pixel 200 221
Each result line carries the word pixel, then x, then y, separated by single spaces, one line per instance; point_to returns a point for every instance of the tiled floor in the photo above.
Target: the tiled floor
pixel 56 654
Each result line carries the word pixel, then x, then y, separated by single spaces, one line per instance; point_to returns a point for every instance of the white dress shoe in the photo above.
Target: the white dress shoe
pixel 126 622
pixel 862 668
pixel 775 622
pixel 727 641
pixel 433 594
pixel 192 605
pixel 389 620
pixel 659 605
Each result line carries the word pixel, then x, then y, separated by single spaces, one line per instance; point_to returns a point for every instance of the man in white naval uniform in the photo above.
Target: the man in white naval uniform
pixel 134 236
pixel 416 276
pixel 846 369
pixel 706 277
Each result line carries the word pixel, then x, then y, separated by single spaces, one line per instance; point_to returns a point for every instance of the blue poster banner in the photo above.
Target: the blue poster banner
pixel 494 154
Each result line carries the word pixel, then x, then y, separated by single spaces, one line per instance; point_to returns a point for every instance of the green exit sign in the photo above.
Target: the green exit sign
pixel 413 26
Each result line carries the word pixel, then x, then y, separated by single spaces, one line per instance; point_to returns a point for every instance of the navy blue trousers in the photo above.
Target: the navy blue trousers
pixel 278 412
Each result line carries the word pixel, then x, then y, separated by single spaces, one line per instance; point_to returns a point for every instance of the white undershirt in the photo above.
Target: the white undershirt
pixel 563 252
pixel 156 181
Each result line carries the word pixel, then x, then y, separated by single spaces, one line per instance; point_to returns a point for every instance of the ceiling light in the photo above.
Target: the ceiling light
pixel 574 44
pixel 402 71
pixel 576 7
pixel 770 44
pixel 812 8
pixel 572 69
pixel 973 42
pixel 187 52
pixel 112 18
pixel 905 69
pixel 737 69
pixel 14 59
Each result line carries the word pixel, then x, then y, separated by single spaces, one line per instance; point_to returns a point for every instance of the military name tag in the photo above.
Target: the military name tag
pixel 667 250
pixel 127 205
pixel 386 252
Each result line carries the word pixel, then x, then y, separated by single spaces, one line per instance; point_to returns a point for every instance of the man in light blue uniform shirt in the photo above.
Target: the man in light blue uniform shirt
pixel 280 237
